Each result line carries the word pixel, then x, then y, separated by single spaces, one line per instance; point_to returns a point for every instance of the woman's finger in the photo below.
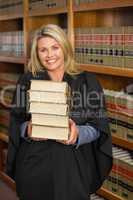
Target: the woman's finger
pixel 29 129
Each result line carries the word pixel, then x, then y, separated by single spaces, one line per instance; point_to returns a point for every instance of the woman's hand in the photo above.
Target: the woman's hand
pixel 73 134
pixel 29 132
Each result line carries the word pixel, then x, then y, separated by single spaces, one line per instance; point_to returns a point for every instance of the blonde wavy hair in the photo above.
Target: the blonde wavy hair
pixel 54 31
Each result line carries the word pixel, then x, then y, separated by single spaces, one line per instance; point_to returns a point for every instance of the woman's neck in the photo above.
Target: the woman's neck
pixel 56 75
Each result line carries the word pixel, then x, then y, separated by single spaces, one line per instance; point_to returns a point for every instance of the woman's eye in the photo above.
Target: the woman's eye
pixel 55 47
pixel 42 50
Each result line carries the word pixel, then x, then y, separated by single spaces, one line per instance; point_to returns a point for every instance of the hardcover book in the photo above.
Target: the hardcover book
pixel 49 108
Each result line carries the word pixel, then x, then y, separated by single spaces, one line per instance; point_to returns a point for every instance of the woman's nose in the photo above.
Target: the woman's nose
pixel 50 53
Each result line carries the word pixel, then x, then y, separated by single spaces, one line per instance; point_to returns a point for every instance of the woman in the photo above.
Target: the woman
pixel 60 170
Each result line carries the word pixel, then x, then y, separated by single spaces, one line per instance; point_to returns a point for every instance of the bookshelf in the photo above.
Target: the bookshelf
pixel 103 4
pixel 10 22
pixel 94 14
pixel 107 14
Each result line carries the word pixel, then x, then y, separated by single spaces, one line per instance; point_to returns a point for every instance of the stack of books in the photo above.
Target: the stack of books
pixel 49 108
pixel 120 179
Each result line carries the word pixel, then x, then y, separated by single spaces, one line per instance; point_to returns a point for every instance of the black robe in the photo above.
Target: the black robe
pixel 76 172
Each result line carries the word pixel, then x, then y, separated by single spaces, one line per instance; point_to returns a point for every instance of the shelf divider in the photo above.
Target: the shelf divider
pixel 122 143
pixel 44 12
pixel 10 16
pixel 101 69
pixel 12 59
pixel 108 195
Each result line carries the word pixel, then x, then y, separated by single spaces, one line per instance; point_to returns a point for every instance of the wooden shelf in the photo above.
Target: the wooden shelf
pixel 103 4
pixel 101 69
pixel 7 180
pixel 4 137
pixel 108 195
pixel 12 59
pixel 122 143
pixel 43 12
pixel 10 16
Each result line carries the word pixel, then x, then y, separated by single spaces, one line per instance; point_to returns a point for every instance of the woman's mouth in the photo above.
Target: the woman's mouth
pixel 51 61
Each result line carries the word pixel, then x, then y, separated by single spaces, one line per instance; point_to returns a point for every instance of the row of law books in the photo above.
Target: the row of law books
pixel 121 125
pixel 11 6
pixel 12 43
pixel 4 120
pixel 7 87
pixel 49 108
pixel 120 113
pixel 109 46
pixel 119 101
pixel 46 4
pixel 120 180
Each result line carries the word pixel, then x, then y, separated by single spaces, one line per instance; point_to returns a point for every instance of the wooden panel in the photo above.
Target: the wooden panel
pixel 104 18
pixel 13 59
pixel 7 180
pixel 1 147
pixel 37 22
pixel 85 19
pixel 11 25
pixel 10 16
pixel 103 4
pixel 71 23
pixel 101 69
pixel 95 19
pixel 123 17
pixel 11 67
pixel 44 12
pixel 122 143
pixel 26 33
pixel 4 137
pixel 111 82
pixel 111 78
pixel 108 195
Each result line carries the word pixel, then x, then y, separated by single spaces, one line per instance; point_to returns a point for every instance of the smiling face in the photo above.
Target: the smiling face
pixel 50 54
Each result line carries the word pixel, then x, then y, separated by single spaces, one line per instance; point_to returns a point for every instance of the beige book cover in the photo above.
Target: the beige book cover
pixel 49 86
pixel 51 97
pixel 50 120
pixel 48 108
pixel 60 133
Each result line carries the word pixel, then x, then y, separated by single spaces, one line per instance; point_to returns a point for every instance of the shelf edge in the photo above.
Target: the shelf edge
pixel 115 71
pixel 102 5
pixel 122 143
pixel 108 194
pixel 13 59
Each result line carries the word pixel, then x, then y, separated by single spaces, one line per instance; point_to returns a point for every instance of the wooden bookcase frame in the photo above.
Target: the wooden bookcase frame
pixel 31 21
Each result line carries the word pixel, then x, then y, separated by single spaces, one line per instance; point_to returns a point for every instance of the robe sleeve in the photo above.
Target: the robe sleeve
pixel 18 115
pixel 97 155
pixel 101 149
